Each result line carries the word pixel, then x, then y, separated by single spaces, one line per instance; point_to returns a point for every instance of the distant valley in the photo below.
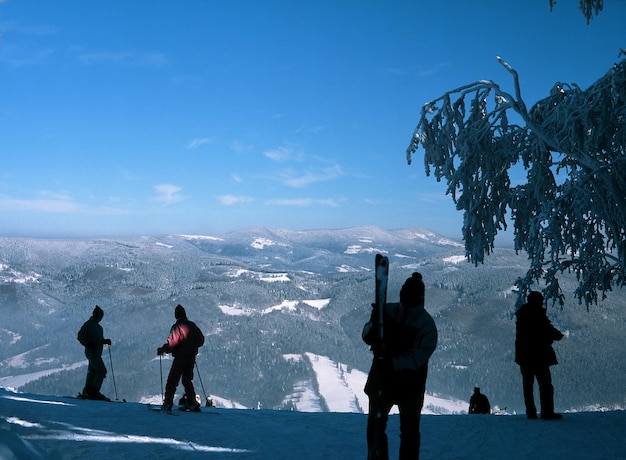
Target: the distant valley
pixel 282 311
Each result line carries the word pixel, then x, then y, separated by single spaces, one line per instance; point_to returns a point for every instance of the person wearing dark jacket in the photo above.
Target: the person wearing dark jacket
pixel 479 403
pixel 534 355
pixel 399 369
pixel 91 336
pixel 183 342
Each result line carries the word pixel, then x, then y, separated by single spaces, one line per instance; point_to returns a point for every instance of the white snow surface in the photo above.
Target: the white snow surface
pixel 19 380
pixel 50 427
pixel 454 259
pixel 287 305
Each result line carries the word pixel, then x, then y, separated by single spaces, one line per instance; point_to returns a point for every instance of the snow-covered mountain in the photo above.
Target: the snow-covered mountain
pixel 277 306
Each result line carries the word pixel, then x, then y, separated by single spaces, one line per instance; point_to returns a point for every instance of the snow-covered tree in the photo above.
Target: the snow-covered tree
pixel 569 213
pixel 587 7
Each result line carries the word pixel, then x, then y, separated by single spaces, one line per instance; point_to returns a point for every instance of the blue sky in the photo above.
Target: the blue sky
pixel 147 117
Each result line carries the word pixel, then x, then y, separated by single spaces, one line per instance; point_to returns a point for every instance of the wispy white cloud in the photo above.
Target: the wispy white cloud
pixel 199 142
pixel 229 200
pixel 433 197
pixel 393 71
pixel 284 153
pixel 168 194
pixel 432 70
pixel 306 128
pixel 239 147
pixel 58 204
pixel 304 202
pixel 33 30
pixel 17 57
pixel 122 57
pixel 18 53
pixel 296 180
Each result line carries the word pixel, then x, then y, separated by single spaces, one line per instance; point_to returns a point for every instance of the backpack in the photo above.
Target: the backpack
pixel 81 336
pixel 196 334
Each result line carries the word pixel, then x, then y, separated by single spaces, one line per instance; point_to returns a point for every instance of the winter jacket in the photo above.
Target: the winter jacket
pixel 185 339
pixel 91 336
pixel 479 404
pixel 534 336
pixel 410 336
pixel 400 363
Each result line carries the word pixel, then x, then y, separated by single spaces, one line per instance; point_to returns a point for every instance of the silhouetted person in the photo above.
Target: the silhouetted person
pixel 91 336
pixel 399 369
pixel 183 342
pixel 535 355
pixel 479 403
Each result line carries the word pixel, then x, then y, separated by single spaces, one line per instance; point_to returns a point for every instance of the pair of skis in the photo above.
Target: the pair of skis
pixel 82 396
pixel 382 275
pixel 159 408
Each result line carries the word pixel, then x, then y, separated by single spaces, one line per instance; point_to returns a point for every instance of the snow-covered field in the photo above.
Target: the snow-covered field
pixel 48 427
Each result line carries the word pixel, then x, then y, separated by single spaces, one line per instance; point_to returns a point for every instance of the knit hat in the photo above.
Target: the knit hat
pixel 180 312
pixel 535 298
pixel 412 292
pixel 97 312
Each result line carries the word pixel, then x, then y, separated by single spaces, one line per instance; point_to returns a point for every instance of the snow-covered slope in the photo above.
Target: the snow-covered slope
pixel 338 388
pixel 36 427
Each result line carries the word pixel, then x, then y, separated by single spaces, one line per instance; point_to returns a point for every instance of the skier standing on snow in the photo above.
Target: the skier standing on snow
pixel 91 336
pixel 535 355
pixel 399 369
pixel 479 403
pixel 183 342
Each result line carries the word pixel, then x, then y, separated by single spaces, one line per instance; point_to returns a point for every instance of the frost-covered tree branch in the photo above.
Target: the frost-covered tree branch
pixel 569 215
pixel 587 7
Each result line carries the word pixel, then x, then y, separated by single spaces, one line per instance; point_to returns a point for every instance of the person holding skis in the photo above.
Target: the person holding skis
pixel 91 336
pixel 534 355
pixel 183 342
pixel 399 369
pixel 479 403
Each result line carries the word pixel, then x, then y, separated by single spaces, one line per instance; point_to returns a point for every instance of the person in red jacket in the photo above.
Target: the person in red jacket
pixel 91 336
pixel 183 342
pixel 534 354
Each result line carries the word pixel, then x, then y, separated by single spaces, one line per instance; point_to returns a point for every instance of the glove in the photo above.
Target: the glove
pixel 160 351
pixel 107 341
pixel 559 336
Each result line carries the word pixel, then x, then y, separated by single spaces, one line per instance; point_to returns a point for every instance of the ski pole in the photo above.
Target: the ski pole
pixel 112 373
pixel 161 367
pixel 206 398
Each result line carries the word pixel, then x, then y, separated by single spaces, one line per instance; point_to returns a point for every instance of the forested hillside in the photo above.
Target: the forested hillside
pixel 263 294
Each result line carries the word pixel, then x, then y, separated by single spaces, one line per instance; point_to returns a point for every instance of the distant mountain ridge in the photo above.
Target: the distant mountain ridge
pixel 262 294
pixel 321 250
